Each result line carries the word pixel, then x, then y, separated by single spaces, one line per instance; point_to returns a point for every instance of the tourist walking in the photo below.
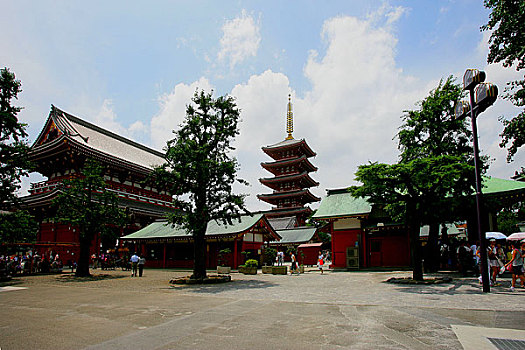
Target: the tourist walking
pixel 293 268
pixel 320 262
pixel 493 261
pixel 134 264
pixel 142 262
pixel 517 264
pixel 280 254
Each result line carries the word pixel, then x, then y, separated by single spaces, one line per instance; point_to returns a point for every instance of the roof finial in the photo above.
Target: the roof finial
pixel 289 119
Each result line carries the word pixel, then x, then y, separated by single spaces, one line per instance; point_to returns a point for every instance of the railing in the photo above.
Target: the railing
pixel 121 191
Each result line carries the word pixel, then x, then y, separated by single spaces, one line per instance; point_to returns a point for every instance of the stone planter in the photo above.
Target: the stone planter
pixel 267 269
pixel 279 270
pixel 224 270
pixel 248 270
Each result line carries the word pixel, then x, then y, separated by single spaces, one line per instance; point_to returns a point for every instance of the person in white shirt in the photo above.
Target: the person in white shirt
pixel 134 264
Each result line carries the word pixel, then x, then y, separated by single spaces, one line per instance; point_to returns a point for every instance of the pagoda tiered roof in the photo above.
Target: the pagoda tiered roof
pixel 63 131
pixel 288 144
pixel 303 196
pixel 301 180
pixel 296 211
pixel 302 162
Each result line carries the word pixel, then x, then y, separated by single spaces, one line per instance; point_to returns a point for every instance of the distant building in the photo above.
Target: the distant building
pixel 167 246
pixel 59 153
pixel 291 179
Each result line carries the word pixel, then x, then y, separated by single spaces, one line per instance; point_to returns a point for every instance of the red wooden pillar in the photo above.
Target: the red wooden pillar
pixel 235 253
pixel 164 257
pixel 365 255
pixel 333 246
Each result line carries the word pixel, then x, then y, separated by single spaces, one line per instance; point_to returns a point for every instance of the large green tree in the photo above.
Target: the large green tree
pixel 84 202
pixel 200 172
pixel 433 167
pixel 431 131
pixel 507 45
pixel 13 147
pixel 17 227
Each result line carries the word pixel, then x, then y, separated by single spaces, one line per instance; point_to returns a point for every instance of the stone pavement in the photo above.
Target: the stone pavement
pixel 336 310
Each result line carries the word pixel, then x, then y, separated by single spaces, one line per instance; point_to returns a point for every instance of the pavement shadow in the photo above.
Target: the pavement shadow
pixel 12 282
pixel 92 278
pixel 224 287
pixel 455 287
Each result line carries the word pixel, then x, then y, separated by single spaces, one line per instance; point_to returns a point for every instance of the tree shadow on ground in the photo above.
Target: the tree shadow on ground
pixel 462 286
pixel 92 278
pixel 12 282
pixel 223 287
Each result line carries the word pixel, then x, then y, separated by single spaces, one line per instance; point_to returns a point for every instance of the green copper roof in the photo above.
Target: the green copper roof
pixel 492 185
pixel 296 235
pixel 162 230
pixel 342 205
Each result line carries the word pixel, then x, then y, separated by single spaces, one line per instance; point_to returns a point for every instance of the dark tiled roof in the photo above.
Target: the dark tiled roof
pixel 95 139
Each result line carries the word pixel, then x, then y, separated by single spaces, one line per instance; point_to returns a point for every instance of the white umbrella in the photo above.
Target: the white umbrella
pixel 516 236
pixel 495 235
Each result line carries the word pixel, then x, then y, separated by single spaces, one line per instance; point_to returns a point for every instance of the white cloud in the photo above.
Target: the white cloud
pixel 240 39
pixel 349 116
pixel 173 110
pixel 107 119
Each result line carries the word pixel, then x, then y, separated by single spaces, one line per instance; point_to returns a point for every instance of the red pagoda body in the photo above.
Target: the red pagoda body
pixel 291 179
pixel 59 153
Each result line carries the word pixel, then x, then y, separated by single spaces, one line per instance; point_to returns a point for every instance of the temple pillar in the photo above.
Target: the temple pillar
pixel 164 256
pixel 235 260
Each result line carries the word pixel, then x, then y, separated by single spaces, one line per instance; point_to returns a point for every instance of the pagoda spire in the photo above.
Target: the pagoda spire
pixel 289 119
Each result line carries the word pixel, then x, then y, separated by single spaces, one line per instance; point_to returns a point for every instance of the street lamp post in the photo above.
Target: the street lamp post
pixel 482 95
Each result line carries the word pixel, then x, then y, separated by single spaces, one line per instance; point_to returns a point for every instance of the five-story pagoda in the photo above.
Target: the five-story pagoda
pixel 291 181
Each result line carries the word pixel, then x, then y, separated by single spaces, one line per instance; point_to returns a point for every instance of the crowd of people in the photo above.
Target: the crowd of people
pixel 501 257
pixel 27 263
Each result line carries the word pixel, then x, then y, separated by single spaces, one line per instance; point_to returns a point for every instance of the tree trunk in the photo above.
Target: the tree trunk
pixel 199 248
pixel 415 247
pixel 83 258
pixel 432 249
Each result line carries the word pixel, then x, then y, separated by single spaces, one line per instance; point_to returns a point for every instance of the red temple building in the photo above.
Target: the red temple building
pixel 59 153
pixel 291 180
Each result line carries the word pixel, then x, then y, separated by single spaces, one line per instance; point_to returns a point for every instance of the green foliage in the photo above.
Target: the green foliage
pixel 507 45
pixel 433 167
pixel 222 260
pixel 251 263
pixel 13 147
pixel 325 237
pixel 507 41
pixel 85 202
pixel 508 218
pixel 513 134
pixel 18 227
pixel 200 172
pixel 269 255
pixel 425 182
pixel 432 129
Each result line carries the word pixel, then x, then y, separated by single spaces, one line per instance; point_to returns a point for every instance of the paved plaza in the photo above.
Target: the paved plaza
pixel 336 310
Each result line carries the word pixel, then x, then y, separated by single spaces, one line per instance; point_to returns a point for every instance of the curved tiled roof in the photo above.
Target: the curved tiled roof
pixel 100 141
pixel 163 230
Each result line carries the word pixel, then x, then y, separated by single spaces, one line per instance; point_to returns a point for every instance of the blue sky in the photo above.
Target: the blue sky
pixel 352 67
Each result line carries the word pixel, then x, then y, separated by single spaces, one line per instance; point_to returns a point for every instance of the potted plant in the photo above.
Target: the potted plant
pixel 222 267
pixel 268 258
pixel 249 267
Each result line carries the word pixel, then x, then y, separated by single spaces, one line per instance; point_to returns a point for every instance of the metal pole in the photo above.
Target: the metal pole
pixel 479 200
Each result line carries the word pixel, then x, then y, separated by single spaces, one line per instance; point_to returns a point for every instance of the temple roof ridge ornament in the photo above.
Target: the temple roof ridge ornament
pixel 289 119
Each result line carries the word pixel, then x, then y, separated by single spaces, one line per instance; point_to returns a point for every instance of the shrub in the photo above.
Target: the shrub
pixel 251 263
